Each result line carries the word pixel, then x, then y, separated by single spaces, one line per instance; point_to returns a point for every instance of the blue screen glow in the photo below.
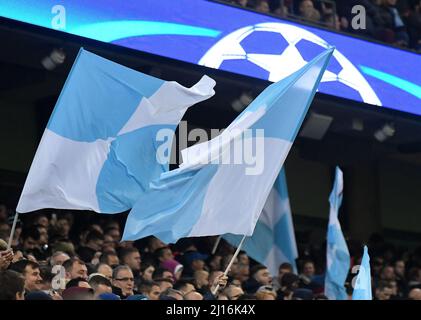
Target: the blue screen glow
pixel 224 37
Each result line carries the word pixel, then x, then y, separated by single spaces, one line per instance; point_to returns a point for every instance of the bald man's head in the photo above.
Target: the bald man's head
pixel 193 295
pixel 415 294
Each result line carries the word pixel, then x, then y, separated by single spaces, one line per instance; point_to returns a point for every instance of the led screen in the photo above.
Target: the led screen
pixel 236 40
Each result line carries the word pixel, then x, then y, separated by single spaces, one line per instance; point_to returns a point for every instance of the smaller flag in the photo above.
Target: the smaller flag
pixel 337 254
pixel 362 288
pixel 273 240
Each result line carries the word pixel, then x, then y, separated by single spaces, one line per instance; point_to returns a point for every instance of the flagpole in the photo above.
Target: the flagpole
pixel 12 232
pixel 231 262
pixel 216 245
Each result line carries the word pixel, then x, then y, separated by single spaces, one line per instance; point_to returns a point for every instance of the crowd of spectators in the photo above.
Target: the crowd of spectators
pixel 74 255
pixel 396 22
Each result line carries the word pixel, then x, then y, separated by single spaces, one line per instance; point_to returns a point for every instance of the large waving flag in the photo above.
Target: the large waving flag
pixel 338 259
pixel 273 240
pixel 210 194
pixel 99 150
pixel 362 288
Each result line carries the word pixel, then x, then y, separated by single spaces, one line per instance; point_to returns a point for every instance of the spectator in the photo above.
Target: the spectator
pixel 414 278
pixel 131 258
pixel 109 244
pixel 388 273
pixel 400 269
pixel 99 284
pixel 411 15
pixel 233 292
pixel 174 267
pixel 214 262
pixel 259 276
pixel 163 254
pixel 113 233
pixel 123 281
pixel 30 240
pixel 283 269
pixel 184 286
pixel 332 21
pixel 110 258
pixel 193 295
pixel 172 294
pixel 94 243
pixel 377 266
pixel 243 258
pixel 31 273
pixel 43 231
pixel 62 226
pixel 42 220
pixel 233 272
pixel 163 273
pixel 265 293
pixel 146 271
pixel 78 282
pixel 75 268
pixel 289 283
pixel 47 279
pixel 154 244
pixel 215 278
pixel 309 269
pixel 164 284
pixel 308 12
pixel 78 293
pixel 194 261
pixel 393 21
pixel 282 9
pixel 201 279
pixel 384 291
pixel 151 290
pixel 58 258
pixel 12 285
pixel 66 246
pixel 105 270
pixel 262 6
pixel 414 294
pixel 396 272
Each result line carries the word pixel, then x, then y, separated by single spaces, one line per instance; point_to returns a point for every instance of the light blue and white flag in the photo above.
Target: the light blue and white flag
pixel 338 259
pixel 217 189
pixel 273 240
pixel 362 287
pixel 99 150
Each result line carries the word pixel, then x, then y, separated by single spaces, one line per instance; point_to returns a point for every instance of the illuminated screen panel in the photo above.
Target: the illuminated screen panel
pixel 236 40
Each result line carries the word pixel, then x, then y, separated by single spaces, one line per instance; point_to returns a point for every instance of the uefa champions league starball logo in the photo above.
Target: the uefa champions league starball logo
pixel 288 59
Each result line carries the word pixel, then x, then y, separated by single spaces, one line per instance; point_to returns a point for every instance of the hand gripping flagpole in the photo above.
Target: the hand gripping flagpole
pixel 12 232
pixel 231 262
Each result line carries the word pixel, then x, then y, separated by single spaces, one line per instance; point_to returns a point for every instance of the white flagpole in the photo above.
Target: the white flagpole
pixel 231 262
pixel 12 232
pixel 216 245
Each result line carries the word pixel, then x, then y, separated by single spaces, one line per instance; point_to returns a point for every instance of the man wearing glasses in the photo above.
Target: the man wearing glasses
pixel 123 282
